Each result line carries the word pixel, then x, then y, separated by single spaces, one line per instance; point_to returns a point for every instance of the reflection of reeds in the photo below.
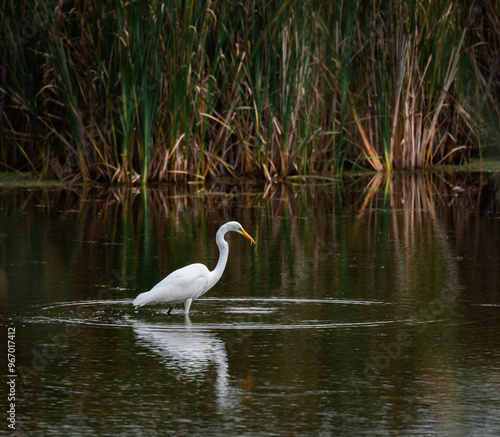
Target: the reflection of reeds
pixel 140 91
pixel 303 232
pixel 414 235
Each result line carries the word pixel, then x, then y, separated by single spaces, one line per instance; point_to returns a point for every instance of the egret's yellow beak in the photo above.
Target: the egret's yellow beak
pixel 247 236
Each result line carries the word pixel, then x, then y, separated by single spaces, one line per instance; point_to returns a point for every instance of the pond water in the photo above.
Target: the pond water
pixel 369 307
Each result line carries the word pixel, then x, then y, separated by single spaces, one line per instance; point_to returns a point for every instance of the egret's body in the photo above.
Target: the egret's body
pixel 191 282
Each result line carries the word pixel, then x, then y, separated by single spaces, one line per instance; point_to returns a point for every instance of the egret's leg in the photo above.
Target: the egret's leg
pixel 187 304
pixel 170 309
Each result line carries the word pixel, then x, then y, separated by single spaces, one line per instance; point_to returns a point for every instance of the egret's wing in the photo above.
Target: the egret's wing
pixel 185 283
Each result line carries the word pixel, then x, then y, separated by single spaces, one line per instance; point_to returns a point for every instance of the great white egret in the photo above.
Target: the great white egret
pixel 191 282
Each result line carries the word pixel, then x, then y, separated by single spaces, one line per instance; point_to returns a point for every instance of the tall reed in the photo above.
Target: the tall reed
pixel 155 91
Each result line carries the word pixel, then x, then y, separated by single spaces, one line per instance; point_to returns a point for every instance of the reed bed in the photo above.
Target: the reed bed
pixel 146 92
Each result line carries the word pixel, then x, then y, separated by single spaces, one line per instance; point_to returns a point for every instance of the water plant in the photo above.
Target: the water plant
pixel 158 91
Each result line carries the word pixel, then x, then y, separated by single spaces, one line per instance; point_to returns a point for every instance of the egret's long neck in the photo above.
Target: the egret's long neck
pixel 216 273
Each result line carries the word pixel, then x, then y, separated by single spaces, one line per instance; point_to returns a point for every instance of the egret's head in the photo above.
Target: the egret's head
pixel 236 227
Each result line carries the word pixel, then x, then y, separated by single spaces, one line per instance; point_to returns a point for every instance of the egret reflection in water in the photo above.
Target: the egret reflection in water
pixel 189 352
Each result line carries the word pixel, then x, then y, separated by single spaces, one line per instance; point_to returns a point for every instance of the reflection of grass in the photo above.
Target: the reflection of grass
pixel 305 231
pixel 162 91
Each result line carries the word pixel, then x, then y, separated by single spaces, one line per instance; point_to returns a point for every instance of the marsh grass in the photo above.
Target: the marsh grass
pixel 171 91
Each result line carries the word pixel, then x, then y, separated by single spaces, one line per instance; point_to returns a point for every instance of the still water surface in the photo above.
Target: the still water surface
pixel 368 308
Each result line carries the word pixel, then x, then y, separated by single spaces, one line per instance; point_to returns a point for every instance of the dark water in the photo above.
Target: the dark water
pixel 368 308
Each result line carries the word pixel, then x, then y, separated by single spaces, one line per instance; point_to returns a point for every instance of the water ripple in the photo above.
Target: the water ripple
pixel 222 314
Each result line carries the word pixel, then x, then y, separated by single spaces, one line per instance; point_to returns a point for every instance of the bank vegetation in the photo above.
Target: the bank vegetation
pixel 154 91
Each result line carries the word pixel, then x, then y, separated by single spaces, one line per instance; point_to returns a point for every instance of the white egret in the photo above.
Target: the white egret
pixel 191 282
